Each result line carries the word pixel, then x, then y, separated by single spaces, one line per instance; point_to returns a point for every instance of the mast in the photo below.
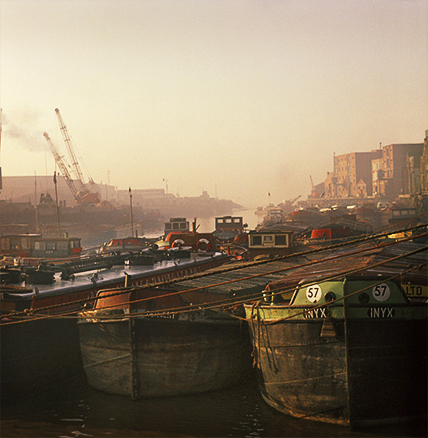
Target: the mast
pixel 35 201
pixel 132 215
pixel 57 205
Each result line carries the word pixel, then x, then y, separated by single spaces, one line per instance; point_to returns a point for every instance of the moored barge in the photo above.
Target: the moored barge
pixel 349 347
pixel 39 338
pixel 192 338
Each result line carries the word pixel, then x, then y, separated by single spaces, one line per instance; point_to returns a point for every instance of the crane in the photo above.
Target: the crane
pixel 63 167
pixel 314 192
pixel 71 152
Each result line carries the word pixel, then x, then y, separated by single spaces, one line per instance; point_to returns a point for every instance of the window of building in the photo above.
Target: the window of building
pixel 281 240
pixel 267 239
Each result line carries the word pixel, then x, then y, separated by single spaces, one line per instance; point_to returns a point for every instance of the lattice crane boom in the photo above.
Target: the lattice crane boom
pixel 67 141
pixel 71 151
pixel 62 167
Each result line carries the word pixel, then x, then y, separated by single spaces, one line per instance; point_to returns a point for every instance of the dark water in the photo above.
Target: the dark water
pixel 76 411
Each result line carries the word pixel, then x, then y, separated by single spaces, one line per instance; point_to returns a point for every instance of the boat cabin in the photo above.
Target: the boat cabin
pixel 176 224
pixel 37 246
pixel 125 244
pixel 198 242
pixel 17 245
pixel 275 243
pixel 274 215
pixel 56 247
pixel 230 224
pixel 331 233
pixel 403 215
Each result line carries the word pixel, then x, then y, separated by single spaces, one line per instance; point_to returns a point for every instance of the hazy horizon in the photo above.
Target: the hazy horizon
pixel 239 98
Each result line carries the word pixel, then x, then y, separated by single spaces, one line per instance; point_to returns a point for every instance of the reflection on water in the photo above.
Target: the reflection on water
pixel 74 410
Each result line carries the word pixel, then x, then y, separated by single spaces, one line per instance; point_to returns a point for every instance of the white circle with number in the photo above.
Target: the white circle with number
pixel 313 293
pixel 381 292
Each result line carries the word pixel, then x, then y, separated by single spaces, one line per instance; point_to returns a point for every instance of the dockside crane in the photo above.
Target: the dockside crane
pixel 295 199
pixel 314 192
pixel 62 167
pixel 71 151
pixel 84 196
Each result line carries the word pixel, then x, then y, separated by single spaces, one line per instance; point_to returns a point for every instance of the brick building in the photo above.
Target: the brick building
pixel 352 176
pixel 392 170
pixel 399 170
pixel 424 166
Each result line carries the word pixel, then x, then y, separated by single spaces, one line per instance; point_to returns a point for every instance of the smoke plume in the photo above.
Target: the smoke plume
pixel 24 129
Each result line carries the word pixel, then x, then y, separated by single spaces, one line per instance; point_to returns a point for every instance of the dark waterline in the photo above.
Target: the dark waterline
pixel 74 410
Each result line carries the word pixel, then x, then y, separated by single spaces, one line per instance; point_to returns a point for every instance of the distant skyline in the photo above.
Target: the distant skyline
pixel 240 98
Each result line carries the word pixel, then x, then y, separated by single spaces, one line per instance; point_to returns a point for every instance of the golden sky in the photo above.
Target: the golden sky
pixel 239 98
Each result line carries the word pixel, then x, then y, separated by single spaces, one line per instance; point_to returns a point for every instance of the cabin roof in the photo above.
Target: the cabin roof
pixel 20 235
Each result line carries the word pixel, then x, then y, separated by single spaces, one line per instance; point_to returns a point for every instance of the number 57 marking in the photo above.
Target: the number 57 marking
pixel 313 293
pixel 381 292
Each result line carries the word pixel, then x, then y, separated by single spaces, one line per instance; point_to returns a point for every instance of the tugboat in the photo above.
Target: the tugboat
pixel 193 240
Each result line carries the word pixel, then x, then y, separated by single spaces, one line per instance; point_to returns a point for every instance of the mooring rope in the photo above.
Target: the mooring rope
pixel 216 271
pixel 234 302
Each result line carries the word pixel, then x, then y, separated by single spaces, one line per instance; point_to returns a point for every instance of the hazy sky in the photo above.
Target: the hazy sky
pixel 240 98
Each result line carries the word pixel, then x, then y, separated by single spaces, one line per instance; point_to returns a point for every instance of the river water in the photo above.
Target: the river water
pixel 73 410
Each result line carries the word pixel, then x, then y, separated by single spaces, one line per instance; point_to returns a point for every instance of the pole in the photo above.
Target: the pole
pixel 35 201
pixel 132 216
pixel 57 206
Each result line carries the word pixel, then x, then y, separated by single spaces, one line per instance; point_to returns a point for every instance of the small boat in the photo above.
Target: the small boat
pixel 341 342
pixel 310 215
pixel 270 243
pixel 31 248
pixel 39 336
pixel 336 231
pixel 125 244
pixel 227 228
pixel 176 224
pixel 17 245
pixel 193 240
